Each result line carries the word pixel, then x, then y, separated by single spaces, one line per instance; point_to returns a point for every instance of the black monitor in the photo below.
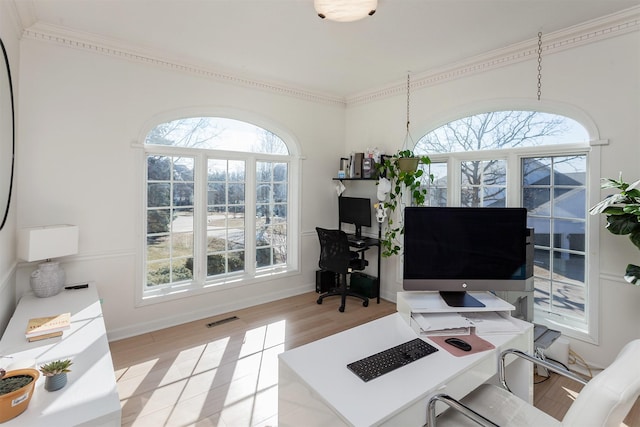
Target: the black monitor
pixel 454 250
pixel 356 211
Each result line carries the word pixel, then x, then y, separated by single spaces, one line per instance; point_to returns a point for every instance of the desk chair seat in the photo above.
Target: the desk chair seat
pixel 336 257
pixel 603 402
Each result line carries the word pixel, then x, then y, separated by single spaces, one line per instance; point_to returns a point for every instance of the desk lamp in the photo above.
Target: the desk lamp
pixel 44 243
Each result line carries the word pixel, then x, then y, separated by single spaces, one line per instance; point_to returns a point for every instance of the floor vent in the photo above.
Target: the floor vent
pixel 221 321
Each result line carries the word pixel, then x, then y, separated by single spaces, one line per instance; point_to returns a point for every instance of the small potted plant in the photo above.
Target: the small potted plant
pixel 16 390
pixel 56 374
pixel 403 179
pixel 622 211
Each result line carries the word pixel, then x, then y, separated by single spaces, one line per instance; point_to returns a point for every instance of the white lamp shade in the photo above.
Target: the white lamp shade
pixel 345 10
pixel 51 241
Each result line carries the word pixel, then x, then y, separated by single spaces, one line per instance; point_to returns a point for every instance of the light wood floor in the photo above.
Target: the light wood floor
pixel 226 375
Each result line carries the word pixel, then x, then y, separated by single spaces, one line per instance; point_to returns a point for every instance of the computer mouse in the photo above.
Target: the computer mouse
pixel 458 343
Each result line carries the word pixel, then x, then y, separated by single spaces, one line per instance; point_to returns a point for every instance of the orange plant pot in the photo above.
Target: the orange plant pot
pixel 16 402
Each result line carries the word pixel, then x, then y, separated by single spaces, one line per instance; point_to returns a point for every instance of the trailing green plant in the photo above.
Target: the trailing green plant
pixel 402 182
pixel 56 367
pixel 622 212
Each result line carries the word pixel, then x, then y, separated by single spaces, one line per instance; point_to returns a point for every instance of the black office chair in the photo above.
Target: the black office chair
pixel 336 257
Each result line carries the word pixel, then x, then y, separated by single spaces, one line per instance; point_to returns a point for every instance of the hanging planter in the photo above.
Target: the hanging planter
pixel 408 164
pixel 405 178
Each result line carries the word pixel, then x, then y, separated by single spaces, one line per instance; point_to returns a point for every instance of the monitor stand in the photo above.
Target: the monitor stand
pixel 460 299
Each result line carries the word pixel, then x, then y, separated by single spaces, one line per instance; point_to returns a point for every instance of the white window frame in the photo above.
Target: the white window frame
pixel 587 331
pixel 251 275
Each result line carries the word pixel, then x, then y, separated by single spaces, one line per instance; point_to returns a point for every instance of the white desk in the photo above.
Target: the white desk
pixel 315 388
pixel 90 397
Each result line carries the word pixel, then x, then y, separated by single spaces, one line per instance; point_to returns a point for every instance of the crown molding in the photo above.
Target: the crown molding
pixel 589 32
pixel 92 43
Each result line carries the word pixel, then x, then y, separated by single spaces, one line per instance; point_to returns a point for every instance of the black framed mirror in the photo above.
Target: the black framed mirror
pixel 7 136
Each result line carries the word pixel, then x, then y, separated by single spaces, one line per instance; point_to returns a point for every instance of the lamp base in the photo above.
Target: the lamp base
pixel 47 280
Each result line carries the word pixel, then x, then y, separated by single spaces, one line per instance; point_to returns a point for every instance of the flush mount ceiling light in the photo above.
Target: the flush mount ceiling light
pixel 345 10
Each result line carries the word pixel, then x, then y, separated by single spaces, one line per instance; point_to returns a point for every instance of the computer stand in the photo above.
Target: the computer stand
pixel 460 299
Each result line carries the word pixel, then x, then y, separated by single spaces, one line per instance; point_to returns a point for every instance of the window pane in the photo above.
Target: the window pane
pixel 569 203
pixel 158 168
pixel 271 213
pixel 570 171
pixel 542 230
pixel 542 263
pixel 218 134
pixel 157 248
pixel 501 129
pixel 536 171
pixel 494 197
pixel 225 216
pixel 169 240
pixel 183 194
pixel 536 200
pixel 569 300
pixel 158 194
pixel 483 183
pixel 217 193
pixel 567 233
pixel 183 169
pixel 437 189
pixel 236 194
pixel 263 257
pixel 560 223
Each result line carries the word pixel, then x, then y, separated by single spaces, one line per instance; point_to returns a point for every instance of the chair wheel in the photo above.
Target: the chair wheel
pixel 365 303
pixel 341 309
pixel 319 300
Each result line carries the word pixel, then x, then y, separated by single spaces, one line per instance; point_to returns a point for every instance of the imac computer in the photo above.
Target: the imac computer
pixel 356 211
pixel 454 250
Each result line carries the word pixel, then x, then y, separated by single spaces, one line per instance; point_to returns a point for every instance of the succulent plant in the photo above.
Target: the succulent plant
pixel 13 383
pixel 56 367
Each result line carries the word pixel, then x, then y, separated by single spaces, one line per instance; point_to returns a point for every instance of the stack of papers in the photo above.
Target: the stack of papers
pixel 486 322
pixel 442 324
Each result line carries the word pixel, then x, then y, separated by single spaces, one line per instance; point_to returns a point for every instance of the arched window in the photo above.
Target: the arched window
pixel 532 159
pixel 218 195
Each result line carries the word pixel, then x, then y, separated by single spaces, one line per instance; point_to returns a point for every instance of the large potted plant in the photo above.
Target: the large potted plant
pixel 622 212
pixel 403 180
pixel 16 390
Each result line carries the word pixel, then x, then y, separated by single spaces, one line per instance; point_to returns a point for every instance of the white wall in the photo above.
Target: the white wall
pixel 597 83
pixel 82 111
pixel 10 38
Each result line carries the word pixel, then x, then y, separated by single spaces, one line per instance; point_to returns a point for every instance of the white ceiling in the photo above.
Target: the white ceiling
pixel 283 41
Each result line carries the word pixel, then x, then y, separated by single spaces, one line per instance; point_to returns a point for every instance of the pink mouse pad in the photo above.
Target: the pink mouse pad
pixel 477 344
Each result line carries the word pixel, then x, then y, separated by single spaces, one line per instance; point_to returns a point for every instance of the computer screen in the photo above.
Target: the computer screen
pixel 453 250
pixel 356 211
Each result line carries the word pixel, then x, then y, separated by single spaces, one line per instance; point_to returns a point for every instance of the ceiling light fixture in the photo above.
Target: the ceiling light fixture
pixel 345 10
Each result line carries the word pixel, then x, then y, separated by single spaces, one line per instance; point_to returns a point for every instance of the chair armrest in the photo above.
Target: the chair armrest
pixel 457 406
pixel 550 366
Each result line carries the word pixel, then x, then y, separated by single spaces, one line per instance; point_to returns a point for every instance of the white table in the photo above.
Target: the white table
pixel 90 397
pixel 315 388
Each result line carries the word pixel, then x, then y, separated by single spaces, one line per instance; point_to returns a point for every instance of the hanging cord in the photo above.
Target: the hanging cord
pixel 407 137
pixel 539 65
pixel 408 93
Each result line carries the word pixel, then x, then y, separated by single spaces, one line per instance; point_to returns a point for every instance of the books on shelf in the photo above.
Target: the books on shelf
pixel 46 327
